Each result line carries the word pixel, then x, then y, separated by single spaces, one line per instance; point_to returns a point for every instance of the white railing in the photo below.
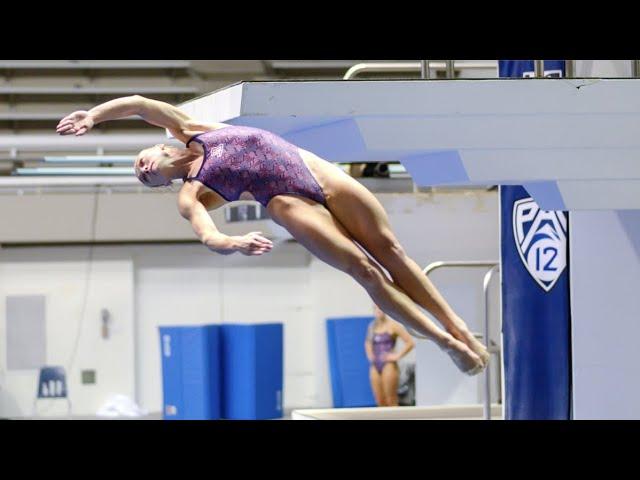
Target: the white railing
pixel 492 267
pixel 423 66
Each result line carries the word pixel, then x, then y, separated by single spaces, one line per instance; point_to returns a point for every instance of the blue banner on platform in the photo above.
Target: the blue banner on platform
pixel 525 68
pixel 535 296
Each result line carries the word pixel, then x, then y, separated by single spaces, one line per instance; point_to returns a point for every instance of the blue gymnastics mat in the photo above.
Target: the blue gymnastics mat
pixel 252 371
pixel 190 372
pixel 348 362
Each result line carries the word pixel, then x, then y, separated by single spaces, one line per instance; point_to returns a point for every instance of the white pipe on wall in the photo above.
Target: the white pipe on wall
pixel 53 142
pixel 8 182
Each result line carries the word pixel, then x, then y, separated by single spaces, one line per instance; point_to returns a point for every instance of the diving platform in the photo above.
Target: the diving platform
pixel 574 144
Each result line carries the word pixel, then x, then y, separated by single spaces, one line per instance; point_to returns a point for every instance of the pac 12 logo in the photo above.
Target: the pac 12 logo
pixel 541 240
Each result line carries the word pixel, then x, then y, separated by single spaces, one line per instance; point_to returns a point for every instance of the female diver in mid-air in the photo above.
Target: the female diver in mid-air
pixel 323 208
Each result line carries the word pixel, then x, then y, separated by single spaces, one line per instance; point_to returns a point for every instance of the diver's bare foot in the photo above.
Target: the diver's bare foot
pixel 478 348
pixel 465 336
pixel 465 359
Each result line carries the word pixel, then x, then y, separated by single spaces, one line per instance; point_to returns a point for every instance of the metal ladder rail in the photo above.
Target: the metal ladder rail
pixel 493 268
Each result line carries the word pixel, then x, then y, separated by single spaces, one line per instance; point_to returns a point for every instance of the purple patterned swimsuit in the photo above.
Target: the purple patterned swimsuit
pixel 238 159
pixel 382 343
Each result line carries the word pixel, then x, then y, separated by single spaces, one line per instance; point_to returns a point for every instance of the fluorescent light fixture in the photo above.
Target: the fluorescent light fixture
pixel 91 159
pixel 74 171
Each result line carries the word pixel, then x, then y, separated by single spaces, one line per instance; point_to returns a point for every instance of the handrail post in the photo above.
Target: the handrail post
pixel 487 340
pixel 424 69
pixel 569 69
pixel 635 68
pixel 449 68
pixel 538 68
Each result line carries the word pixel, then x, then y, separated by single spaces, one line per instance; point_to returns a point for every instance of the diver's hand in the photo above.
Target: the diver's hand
pixel 252 244
pixel 78 123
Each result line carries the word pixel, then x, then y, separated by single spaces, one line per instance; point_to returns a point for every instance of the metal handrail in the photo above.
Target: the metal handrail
pixel 493 267
pixel 538 67
pixel 569 68
pixel 449 68
pixel 423 66
pixel 453 263
pixel 487 379
pixel 424 69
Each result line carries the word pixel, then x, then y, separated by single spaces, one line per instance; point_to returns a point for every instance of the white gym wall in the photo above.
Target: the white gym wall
pixel 145 286
pixel 60 274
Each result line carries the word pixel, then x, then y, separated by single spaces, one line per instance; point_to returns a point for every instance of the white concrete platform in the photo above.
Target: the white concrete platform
pixel 438 412
pixel 573 143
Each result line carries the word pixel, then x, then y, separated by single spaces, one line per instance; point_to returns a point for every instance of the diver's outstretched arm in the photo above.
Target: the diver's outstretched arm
pixel 160 114
pixel 253 243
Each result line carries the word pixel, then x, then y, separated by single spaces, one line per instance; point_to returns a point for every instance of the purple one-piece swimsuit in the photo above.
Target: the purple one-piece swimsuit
pixel 382 343
pixel 238 159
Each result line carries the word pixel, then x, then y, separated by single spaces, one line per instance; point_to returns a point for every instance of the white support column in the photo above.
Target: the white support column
pixel 605 306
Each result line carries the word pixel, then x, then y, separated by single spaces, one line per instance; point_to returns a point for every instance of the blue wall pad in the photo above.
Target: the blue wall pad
pixel 348 362
pixel 252 371
pixel 190 372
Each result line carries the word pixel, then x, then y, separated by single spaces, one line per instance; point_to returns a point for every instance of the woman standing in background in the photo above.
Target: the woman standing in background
pixel 379 346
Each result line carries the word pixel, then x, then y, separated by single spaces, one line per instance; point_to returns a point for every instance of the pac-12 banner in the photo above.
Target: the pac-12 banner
pixel 535 296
